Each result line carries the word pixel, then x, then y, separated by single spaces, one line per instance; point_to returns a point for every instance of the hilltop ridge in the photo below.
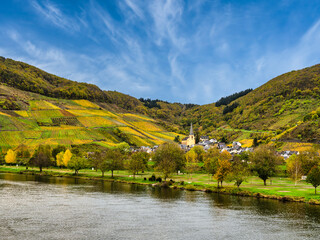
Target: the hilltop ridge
pixel 284 108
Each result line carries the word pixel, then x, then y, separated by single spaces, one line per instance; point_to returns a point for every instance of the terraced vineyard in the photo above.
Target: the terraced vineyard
pixel 68 122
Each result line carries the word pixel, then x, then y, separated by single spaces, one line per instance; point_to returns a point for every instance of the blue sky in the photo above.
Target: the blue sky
pixel 181 51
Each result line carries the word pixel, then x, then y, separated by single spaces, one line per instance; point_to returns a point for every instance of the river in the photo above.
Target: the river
pixel 37 207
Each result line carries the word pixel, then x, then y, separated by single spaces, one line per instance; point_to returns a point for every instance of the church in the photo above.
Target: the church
pixel 189 141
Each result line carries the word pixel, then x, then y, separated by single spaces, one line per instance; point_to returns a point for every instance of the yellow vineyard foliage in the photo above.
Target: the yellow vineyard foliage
pixel 86 103
pixel 22 113
pixel 147 126
pixel 95 121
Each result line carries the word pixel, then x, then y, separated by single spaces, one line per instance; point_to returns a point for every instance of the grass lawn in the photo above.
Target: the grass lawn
pixel 276 186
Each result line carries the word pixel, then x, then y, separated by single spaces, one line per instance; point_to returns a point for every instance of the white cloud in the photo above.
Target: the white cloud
pixel 135 8
pixel 53 14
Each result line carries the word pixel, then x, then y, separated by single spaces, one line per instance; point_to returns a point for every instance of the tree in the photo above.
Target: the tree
pixel 10 157
pixel 42 157
pixel 123 147
pixel 191 162
pixel 308 159
pixel 58 149
pixel 66 157
pixel 102 161
pixel 95 159
pixel 224 168
pixel 198 150
pixel 136 163
pixel 313 177
pixel 23 154
pixel 77 163
pixel 59 159
pixel 177 139
pixel 225 155
pixel 294 168
pixel 169 158
pixel 113 160
pixel 211 158
pixel 264 161
pixel 240 172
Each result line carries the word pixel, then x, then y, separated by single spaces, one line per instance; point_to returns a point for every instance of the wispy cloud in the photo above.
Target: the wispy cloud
pixel 135 8
pixel 187 51
pixel 53 14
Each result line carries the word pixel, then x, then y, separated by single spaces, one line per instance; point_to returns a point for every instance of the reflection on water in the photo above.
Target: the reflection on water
pixel 39 207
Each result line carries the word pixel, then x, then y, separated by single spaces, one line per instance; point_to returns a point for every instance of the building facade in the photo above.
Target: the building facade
pixel 189 141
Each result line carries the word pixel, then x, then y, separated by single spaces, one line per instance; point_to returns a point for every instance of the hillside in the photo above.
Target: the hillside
pixel 284 109
pixel 39 119
pixel 25 77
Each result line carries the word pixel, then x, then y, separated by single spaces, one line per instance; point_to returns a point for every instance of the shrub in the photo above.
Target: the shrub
pixel 152 178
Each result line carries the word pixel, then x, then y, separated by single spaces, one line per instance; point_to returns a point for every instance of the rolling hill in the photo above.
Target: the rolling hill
pixel 58 110
pixel 39 119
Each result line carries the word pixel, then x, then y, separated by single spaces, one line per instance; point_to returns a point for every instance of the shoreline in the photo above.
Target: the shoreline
pixel 234 191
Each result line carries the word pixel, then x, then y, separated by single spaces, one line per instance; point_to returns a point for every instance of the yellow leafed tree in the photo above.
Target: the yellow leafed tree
pixel 60 159
pixel 66 157
pixel 11 156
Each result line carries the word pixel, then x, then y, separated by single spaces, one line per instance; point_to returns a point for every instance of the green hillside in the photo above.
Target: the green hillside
pixel 39 119
pixel 287 108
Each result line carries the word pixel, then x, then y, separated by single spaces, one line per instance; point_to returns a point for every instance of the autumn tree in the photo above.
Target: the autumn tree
pixel 191 162
pixel 77 163
pixel 42 157
pixel 59 159
pixel 62 158
pixel 264 161
pixel 313 177
pixel 66 157
pixel 198 150
pixel 136 163
pixel 224 168
pixel 57 150
pixel 240 171
pixel 123 147
pixel 294 168
pixel 23 155
pixel 211 158
pixel 10 157
pixel 111 160
pixel 308 160
pixel 169 158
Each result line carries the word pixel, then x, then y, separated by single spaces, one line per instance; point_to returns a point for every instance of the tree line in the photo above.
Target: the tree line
pixel 169 159
pixel 228 99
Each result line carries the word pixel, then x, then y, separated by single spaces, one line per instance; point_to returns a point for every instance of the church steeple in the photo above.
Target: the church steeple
pixel 191 130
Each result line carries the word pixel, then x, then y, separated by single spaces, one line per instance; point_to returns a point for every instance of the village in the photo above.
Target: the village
pixel 206 143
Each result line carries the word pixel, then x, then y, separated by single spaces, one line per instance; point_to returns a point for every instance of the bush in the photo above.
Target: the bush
pixel 159 179
pixel 152 178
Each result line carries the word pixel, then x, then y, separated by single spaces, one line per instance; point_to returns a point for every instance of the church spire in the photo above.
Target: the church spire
pixel 191 130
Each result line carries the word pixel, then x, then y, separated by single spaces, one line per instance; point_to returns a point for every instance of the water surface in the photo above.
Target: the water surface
pixel 33 207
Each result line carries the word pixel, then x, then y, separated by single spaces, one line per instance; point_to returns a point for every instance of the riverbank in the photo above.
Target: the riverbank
pixel 281 189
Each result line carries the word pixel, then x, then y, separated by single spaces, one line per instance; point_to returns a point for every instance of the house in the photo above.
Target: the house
pixel 236 145
pixel 222 145
pixel 189 141
pixel 145 149
pixel 213 140
pixel 204 138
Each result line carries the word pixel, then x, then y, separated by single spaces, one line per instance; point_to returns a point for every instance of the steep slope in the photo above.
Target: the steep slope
pixel 286 107
pixel 39 119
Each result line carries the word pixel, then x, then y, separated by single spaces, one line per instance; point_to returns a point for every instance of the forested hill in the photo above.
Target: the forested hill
pixel 286 107
pixel 29 78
